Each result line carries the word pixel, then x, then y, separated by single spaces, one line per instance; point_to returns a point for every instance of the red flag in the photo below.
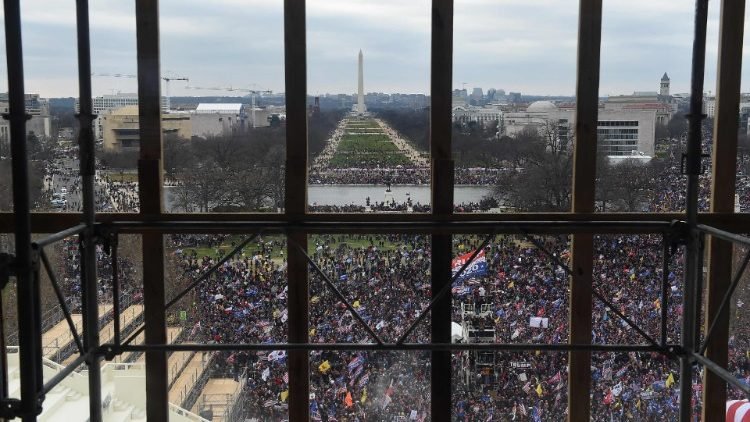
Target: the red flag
pixel 348 400
pixel 609 398
pixel 555 379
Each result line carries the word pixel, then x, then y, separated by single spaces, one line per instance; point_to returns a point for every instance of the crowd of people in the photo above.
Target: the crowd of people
pixel 484 205
pixel 521 295
pixel 386 279
pixel 62 180
pixel 401 175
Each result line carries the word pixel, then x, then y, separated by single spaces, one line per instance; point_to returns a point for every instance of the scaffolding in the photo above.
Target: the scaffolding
pixel 689 229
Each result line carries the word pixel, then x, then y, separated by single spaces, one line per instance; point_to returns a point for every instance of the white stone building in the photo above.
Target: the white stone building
pixel 106 103
pixel 621 132
pixel 482 115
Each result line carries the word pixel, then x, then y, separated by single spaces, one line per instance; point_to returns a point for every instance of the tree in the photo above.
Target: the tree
pixel 542 179
pixel 242 172
pixel 677 126
pixel 605 194
pixel 661 131
pixel 36 175
pixel 274 120
pixel 632 182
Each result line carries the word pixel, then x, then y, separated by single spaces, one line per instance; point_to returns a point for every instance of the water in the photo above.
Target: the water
pixel 357 194
pixel 352 194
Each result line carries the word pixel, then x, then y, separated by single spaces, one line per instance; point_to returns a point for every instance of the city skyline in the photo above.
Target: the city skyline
pixel 242 41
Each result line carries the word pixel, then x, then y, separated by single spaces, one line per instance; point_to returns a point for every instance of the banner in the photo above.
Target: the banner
pixel 538 322
pixel 477 268
pixel 520 365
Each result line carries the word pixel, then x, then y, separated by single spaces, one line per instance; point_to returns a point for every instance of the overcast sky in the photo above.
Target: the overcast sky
pixel 515 45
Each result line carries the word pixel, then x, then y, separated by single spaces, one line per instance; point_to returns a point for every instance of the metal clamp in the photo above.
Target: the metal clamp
pixel 11 408
pixel 684 158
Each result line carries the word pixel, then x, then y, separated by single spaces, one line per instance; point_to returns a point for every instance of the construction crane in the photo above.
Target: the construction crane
pixel 252 93
pixel 166 80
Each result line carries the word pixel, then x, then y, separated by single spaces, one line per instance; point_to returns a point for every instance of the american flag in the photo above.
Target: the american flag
pixel 363 381
pixel 356 362
pixel 269 403
pixel 286 378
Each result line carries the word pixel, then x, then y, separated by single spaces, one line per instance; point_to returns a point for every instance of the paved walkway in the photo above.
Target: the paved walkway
pixel 218 394
pixel 59 336
pixel 107 334
pixel 188 378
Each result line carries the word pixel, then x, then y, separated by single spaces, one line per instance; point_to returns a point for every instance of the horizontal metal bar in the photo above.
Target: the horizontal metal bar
pixel 50 222
pixel 721 372
pixel 53 238
pixel 344 226
pixel 563 347
pixel 723 234
pixel 49 385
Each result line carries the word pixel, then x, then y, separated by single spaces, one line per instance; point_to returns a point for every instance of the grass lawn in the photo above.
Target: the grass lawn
pixel 368 159
pixel 227 247
pixel 355 124
pixel 357 150
pixel 366 143
pixel 116 176
pixel 353 242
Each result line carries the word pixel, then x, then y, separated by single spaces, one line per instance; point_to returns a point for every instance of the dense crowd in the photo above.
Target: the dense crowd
pixel 484 205
pixel 401 175
pixel 61 181
pixel 520 296
pixel 386 279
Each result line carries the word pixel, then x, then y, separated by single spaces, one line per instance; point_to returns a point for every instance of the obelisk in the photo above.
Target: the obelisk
pixel 361 88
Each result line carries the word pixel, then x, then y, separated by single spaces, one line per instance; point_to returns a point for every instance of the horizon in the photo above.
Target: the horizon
pixel 518 46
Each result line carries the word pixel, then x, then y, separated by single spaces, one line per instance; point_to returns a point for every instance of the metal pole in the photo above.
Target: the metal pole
pixel 29 340
pixel 115 287
pixel 664 290
pixel 88 253
pixel 3 357
pixel 693 260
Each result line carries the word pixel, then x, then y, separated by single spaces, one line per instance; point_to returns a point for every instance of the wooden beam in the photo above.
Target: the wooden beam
pixel 295 54
pixel 150 183
pixel 724 161
pixel 442 201
pixel 584 177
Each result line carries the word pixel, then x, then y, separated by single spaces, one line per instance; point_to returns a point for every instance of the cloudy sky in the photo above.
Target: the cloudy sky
pixel 516 45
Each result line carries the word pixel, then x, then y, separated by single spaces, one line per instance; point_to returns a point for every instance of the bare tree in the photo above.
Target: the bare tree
pixel 542 179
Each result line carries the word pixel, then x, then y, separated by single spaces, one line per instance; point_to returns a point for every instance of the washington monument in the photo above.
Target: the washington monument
pixel 361 88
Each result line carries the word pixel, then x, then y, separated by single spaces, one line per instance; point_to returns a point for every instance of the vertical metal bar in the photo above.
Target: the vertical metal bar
pixel 724 159
pixel 584 176
pixel 441 66
pixel 295 204
pixel 664 289
pixel 3 355
pixel 150 196
pixel 29 341
pixel 87 169
pixel 693 260
pixel 116 287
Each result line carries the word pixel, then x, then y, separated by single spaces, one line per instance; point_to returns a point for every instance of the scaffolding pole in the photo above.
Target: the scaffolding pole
pixel 693 259
pixel 29 330
pixel 88 251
